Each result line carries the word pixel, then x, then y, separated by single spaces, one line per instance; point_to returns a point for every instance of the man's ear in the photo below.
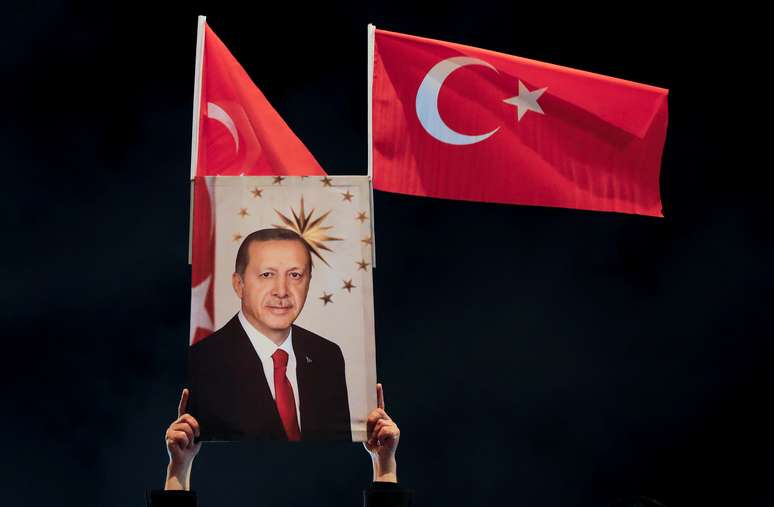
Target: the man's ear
pixel 236 283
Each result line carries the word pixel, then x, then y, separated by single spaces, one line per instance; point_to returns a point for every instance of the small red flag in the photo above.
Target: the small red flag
pixel 458 122
pixel 240 133
pixel 236 132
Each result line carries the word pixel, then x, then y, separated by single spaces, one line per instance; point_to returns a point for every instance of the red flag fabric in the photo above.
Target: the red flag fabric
pixel 202 261
pixel 239 133
pixel 458 122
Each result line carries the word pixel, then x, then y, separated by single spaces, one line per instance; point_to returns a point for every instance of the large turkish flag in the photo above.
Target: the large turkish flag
pixel 458 122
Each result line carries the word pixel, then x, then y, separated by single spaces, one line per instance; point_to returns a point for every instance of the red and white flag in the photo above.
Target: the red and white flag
pixel 458 122
pixel 235 132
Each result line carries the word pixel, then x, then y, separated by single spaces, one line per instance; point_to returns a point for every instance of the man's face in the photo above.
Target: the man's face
pixel 274 287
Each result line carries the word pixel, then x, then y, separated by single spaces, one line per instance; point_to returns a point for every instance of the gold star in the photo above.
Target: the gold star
pixel 257 192
pixel 368 241
pixel 348 285
pixel 326 298
pixel 362 265
pixel 278 180
pixel 237 237
pixel 243 212
pixel 362 217
pixel 347 196
pixel 313 232
pixel 327 182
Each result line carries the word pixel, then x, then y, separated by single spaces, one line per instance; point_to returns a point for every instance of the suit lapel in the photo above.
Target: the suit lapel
pixel 306 385
pixel 257 409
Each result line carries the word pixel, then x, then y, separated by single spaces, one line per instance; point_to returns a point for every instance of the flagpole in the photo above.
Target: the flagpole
pixel 197 95
pixel 371 34
pixel 197 99
pixel 370 94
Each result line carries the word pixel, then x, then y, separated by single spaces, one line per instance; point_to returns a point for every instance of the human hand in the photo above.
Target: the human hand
pixel 181 447
pixel 383 436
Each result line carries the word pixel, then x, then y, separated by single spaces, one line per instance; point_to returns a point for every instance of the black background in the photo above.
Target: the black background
pixel 531 356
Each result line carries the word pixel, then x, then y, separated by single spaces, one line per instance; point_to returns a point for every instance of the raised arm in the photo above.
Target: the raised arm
pixel 383 437
pixel 181 447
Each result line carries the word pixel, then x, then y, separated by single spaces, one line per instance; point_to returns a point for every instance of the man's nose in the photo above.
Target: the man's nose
pixel 280 288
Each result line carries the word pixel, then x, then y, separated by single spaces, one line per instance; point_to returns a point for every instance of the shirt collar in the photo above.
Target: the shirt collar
pixel 264 346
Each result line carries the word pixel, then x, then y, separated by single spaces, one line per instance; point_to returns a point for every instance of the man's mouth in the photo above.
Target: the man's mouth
pixel 279 309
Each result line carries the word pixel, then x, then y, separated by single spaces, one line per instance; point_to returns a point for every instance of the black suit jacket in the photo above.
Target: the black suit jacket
pixel 231 399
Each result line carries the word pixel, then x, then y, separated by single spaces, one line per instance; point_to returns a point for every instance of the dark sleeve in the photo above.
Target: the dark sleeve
pixel 387 494
pixel 161 498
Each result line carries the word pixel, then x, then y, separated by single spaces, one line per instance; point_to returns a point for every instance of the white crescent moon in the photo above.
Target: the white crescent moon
pixel 427 101
pixel 217 113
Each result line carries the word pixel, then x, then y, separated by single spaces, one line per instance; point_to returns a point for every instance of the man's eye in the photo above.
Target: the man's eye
pixel 295 276
pixel 265 275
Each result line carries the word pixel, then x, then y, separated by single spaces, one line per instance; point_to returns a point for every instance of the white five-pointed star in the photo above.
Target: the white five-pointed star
pixel 526 101
pixel 200 317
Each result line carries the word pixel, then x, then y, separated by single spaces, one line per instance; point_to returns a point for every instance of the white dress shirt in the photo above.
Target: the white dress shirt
pixel 265 348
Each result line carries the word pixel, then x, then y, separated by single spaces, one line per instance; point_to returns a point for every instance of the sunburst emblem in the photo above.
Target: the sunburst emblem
pixel 313 232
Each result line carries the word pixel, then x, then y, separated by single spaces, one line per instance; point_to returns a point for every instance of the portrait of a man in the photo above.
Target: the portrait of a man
pixel 260 375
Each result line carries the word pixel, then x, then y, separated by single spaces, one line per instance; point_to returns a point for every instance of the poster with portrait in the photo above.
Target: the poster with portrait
pixel 291 355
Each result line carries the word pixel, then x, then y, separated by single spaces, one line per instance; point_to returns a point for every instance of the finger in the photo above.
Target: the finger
pixel 387 428
pixel 381 414
pixel 181 428
pixel 379 396
pixel 179 438
pixel 378 427
pixel 181 407
pixel 373 441
pixel 390 426
pixel 384 435
pixel 373 432
pixel 377 414
pixel 182 438
pixel 185 428
pixel 192 422
pixel 387 434
pixel 172 445
pixel 374 418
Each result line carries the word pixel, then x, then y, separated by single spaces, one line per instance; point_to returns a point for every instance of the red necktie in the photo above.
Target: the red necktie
pixel 286 403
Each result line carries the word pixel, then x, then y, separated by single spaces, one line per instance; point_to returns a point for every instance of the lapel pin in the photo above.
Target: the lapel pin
pixel 308 360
